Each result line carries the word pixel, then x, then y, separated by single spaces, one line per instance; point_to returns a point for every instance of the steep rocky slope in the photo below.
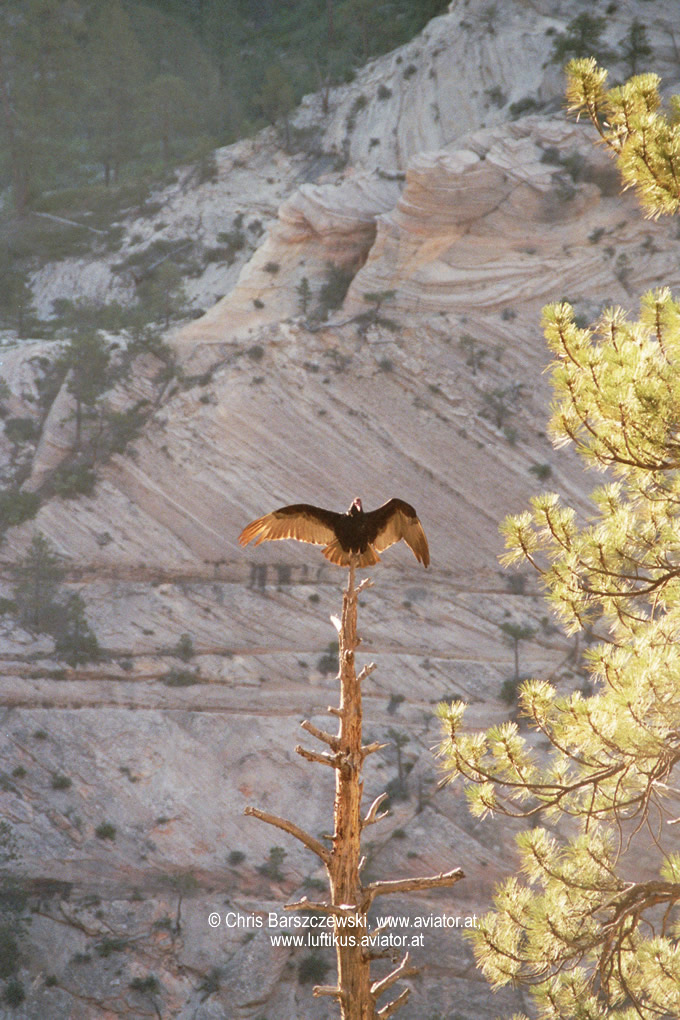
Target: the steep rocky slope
pixel 461 222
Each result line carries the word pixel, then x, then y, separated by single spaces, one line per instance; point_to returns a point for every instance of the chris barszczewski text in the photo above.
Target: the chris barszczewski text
pixel 348 929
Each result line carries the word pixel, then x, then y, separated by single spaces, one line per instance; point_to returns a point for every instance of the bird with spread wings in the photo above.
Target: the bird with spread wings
pixel 355 536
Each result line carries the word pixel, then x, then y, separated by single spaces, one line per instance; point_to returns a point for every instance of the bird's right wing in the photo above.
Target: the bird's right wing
pixel 301 521
pixel 395 520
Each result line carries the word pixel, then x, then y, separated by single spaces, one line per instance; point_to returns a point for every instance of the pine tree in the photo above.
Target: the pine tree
pixel 38 577
pixel 16 300
pixel 594 937
pixel 582 38
pixel 171 110
pixel 87 359
pixel 633 125
pixel 277 98
pixel 162 294
pixel 39 62
pixel 636 45
pixel 112 87
pixel 517 632
pixel 76 642
pixel 304 293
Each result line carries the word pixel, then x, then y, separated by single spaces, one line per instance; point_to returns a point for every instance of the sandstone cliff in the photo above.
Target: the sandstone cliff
pixel 453 220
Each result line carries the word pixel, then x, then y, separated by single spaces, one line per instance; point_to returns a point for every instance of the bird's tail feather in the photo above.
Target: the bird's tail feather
pixel 336 554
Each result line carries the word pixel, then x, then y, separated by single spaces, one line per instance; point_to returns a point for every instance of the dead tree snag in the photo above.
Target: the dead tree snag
pixel 355 992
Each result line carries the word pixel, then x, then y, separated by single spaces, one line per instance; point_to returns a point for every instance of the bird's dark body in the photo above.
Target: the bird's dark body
pixel 354 530
pixel 356 536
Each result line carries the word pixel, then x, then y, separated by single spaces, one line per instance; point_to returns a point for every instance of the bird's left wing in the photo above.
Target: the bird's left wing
pixel 301 521
pixel 395 520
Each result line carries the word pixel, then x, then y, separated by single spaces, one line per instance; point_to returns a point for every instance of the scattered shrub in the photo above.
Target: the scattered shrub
pixel 219 254
pixel 21 430
pixel 542 471
pixel 210 984
pixel 516 583
pixel 233 240
pixel 333 291
pixel 17 506
pixel 60 782
pixel 522 106
pixel 312 969
pixel 184 649
pixel 108 946
pixel 148 985
pixel 509 691
pixel 9 951
pixel 181 678
pixel 71 481
pixel 328 662
pixel 121 427
pixel 14 993
pixel 105 830
pixel 272 866
pixel 496 96
pixel 359 103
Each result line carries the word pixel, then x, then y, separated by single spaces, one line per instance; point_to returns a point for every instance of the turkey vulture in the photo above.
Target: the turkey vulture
pixel 354 535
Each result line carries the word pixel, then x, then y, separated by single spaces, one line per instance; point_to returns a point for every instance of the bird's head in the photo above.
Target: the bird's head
pixel 356 508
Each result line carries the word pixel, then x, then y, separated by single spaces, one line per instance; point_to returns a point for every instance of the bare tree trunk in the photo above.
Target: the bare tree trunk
pixel 356 1001
pixel 355 992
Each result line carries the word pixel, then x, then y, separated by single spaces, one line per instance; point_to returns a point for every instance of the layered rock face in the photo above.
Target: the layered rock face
pixel 414 367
